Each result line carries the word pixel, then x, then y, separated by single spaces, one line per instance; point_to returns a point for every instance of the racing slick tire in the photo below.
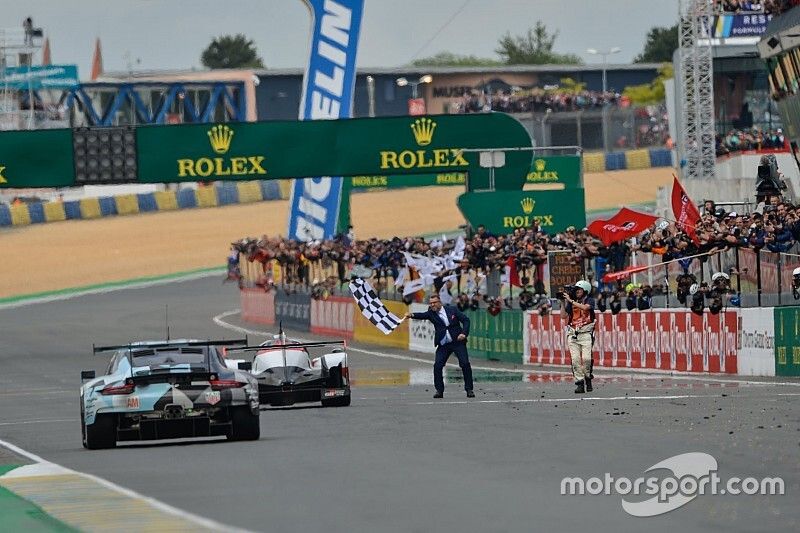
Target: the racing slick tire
pixel 102 434
pixel 244 424
pixel 341 401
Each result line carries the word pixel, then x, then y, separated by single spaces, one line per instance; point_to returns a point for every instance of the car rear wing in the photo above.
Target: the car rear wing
pixel 288 345
pixel 169 344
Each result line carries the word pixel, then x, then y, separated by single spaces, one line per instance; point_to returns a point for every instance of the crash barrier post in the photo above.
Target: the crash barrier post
pixel 787 341
pixel 676 340
pixel 257 306
pixel 293 310
pixel 365 331
pixel 333 316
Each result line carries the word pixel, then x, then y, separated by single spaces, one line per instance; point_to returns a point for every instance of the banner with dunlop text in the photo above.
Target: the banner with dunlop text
pixel 327 94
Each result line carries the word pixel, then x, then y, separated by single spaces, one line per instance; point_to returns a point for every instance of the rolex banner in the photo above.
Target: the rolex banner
pixel 327 94
pixel 504 211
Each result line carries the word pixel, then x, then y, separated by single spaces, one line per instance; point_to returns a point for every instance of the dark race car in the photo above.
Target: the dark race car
pixel 168 389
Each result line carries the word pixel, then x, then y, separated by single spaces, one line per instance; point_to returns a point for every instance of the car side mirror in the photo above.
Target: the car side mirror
pixel 246 365
pixel 87 374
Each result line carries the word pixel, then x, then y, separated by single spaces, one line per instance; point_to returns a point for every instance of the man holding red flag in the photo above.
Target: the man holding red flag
pixel 686 214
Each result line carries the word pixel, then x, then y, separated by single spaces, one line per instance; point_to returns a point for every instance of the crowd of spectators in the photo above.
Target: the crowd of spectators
pixel 750 139
pixel 537 101
pixel 767 7
pixel 773 226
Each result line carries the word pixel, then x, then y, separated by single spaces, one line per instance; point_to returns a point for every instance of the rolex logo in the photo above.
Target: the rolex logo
pixel 423 131
pixel 527 205
pixel 539 164
pixel 220 138
pixel 2 178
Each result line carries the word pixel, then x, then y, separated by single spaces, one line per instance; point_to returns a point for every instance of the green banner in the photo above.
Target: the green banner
pixel 352 147
pixel 39 158
pixel 503 212
pixel 787 341
pixel 566 169
pixel 415 180
pixel 496 337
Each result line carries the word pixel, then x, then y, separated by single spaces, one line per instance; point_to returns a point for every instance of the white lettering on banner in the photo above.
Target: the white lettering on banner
pixel 323 108
pixel 308 230
pixel 329 51
pixel 317 188
pixel 336 23
pixel 307 207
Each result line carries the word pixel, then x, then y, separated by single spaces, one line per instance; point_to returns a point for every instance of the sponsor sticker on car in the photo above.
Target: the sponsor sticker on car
pixel 133 402
pixel 332 393
pixel 213 397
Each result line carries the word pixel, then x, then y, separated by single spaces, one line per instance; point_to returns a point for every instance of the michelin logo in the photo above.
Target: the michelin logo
pixel 327 94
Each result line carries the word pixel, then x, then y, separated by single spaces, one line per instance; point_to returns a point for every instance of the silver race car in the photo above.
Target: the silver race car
pixel 168 389
pixel 287 375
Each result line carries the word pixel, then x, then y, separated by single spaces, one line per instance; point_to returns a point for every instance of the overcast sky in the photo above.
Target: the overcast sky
pixel 170 34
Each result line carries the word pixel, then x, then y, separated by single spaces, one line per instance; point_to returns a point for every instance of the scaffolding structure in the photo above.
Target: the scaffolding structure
pixel 696 95
pixel 16 50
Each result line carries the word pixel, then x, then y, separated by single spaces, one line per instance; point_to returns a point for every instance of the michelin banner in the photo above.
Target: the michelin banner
pixel 327 94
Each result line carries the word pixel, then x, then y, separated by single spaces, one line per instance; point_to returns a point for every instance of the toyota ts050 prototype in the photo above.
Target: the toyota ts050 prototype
pixel 168 389
pixel 286 374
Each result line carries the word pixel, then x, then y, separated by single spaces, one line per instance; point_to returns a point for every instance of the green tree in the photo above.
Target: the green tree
pixel 533 48
pixel 449 59
pixel 650 93
pixel 231 51
pixel 659 46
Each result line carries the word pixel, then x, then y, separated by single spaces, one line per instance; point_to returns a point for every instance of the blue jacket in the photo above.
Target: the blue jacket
pixel 459 323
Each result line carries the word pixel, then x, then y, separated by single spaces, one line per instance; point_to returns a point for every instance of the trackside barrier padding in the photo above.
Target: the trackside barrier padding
pixel 615 161
pixel 90 208
pixel 495 337
pixel 258 306
pixel 54 212
pixel 166 200
pixel 72 210
pixel 36 212
pixel 285 187
pixel 5 215
pixel 186 199
pixel 227 193
pixel 249 191
pixel 333 316
pixel 20 216
pixel 272 190
pixel 594 162
pixel 365 331
pixel 676 340
pixel 206 197
pixel 660 157
pixel 635 159
pixel 127 204
pixel 108 206
pixel 147 202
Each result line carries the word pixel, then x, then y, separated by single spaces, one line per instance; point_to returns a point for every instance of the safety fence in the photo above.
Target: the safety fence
pixel 748 342
pixel 221 194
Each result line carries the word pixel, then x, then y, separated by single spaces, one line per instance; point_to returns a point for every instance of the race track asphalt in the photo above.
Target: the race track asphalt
pixel 397 460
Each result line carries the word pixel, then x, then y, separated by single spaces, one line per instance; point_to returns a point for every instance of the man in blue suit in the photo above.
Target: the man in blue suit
pixel 451 331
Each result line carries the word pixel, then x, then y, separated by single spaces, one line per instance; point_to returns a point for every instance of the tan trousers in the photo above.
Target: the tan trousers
pixel 580 350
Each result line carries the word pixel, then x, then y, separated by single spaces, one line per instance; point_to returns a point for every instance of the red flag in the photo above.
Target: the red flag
pixel 621 226
pixel 622 274
pixel 512 273
pixel 686 214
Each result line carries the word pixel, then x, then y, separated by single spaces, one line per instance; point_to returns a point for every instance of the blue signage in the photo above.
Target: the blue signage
pixel 39 77
pixel 732 26
pixel 327 94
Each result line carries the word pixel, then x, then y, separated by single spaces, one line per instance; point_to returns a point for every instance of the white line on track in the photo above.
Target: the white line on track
pixel 195 519
pixel 652 374
pixel 114 288
pixel 42 421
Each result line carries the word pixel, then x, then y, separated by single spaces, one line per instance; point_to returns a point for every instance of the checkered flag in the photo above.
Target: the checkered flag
pixel 372 307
